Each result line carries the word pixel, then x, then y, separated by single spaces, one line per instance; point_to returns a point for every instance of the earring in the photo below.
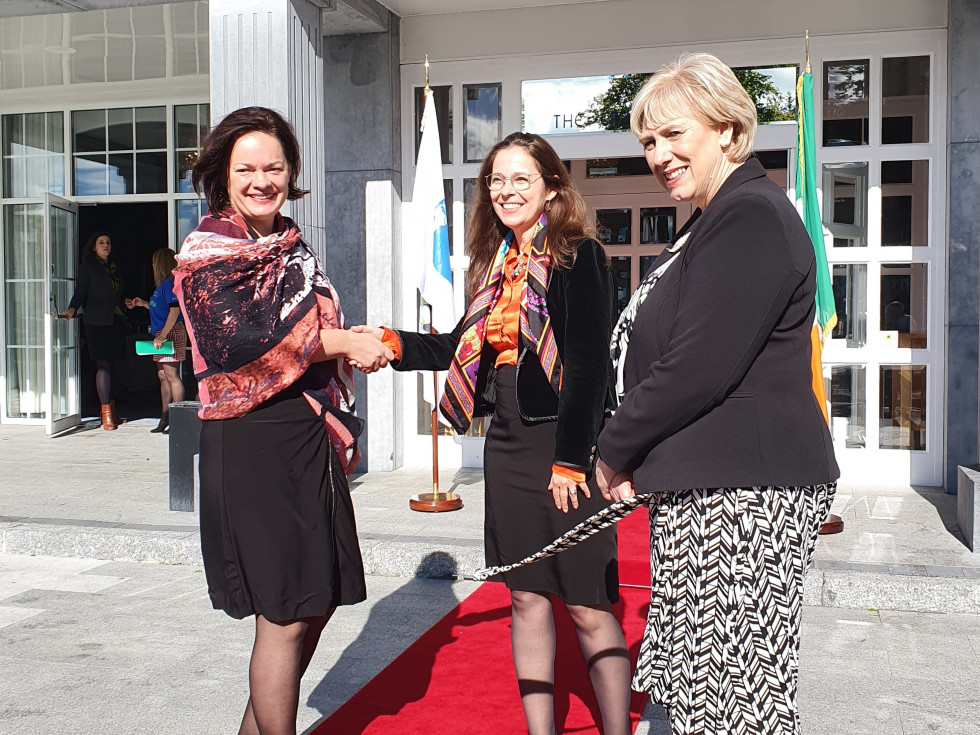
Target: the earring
pixel 547 206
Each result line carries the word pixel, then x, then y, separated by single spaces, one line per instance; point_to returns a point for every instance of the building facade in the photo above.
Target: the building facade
pixel 103 112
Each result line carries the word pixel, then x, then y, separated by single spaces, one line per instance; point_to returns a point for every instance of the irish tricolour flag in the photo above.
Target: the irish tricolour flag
pixel 806 203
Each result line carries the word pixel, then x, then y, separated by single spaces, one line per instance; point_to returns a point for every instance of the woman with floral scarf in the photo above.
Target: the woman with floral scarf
pixel 279 436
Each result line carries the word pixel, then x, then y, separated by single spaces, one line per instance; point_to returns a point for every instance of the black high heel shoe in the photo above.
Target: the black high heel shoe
pixel 162 426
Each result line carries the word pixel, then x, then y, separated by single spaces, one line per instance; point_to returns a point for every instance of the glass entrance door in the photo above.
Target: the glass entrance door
pixel 62 394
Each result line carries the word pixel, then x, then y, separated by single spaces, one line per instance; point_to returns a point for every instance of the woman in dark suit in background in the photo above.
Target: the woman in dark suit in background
pixel 98 289
pixel 718 416
pixel 533 351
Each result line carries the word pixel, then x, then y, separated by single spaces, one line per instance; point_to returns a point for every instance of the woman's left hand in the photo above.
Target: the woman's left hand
pixel 613 485
pixel 566 491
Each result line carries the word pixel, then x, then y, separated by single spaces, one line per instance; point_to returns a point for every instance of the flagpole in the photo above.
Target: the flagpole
pixel 833 523
pixel 435 501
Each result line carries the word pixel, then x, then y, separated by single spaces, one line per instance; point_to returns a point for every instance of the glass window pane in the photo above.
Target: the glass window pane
pixel 615 226
pixel 845 107
pixel 904 304
pixel 905 100
pixel 186 126
pixel 189 212
pixel 903 407
pixel 37 175
pixel 121 173
pixel 14 177
pixel 185 170
pixel 845 203
pixel 88 129
pixel 645 262
pixel 13 134
pixel 481 120
pixel 90 175
pixel 621 284
pixel 34 132
pixel 444 112
pixel 56 174
pixel 151 128
pixel 657 224
pixel 848 405
pixel 120 129
pixel 25 382
pixel 23 240
pixel 600 168
pixel 151 173
pixel 850 283
pixel 905 203
pixel 55 122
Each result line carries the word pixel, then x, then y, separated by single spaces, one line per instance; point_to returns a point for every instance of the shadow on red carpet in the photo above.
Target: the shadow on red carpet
pixel 459 676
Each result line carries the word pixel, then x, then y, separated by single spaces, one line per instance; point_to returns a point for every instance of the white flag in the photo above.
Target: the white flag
pixel 432 233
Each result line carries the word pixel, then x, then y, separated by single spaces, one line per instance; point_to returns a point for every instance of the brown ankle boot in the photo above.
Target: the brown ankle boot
pixel 108 423
pixel 115 416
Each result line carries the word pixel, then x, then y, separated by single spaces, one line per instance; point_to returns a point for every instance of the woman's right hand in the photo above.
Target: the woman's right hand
pixel 67 314
pixel 366 351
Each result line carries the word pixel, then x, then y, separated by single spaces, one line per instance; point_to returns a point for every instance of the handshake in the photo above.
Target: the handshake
pixel 365 350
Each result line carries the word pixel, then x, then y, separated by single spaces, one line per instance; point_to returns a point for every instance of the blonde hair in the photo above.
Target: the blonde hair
pixel 164 262
pixel 698 86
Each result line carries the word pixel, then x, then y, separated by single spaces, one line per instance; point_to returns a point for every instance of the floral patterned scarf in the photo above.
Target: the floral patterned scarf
pixel 254 310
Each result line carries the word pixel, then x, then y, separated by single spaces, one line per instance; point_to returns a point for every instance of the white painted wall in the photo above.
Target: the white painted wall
pixel 630 24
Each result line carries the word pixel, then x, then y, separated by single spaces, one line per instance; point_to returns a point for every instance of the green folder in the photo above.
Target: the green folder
pixel 145 347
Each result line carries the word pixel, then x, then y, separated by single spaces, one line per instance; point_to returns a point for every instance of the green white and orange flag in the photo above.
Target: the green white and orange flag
pixel 806 203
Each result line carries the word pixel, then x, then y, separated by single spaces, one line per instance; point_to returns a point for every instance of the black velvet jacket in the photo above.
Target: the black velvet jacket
pixel 580 304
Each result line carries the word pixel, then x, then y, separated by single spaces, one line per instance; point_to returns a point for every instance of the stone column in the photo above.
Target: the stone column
pixel 270 53
pixel 363 197
pixel 962 417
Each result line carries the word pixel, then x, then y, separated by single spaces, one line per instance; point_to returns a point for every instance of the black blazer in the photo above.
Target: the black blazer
pixel 580 305
pixel 93 291
pixel 718 366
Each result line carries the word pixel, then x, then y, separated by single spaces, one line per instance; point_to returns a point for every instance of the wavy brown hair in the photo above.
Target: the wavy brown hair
pixel 210 177
pixel 568 220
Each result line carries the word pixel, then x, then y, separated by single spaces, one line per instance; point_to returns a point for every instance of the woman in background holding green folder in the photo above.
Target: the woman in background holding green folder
pixel 166 323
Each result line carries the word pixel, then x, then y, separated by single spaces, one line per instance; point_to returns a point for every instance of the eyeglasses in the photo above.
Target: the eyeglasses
pixel 521 182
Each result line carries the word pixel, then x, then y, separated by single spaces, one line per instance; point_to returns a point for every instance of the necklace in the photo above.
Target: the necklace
pixel 521 265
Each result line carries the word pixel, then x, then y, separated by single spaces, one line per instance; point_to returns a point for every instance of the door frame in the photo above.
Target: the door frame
pixel 52 311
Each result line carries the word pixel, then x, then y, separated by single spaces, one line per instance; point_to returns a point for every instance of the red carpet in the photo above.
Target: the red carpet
pixel 459 676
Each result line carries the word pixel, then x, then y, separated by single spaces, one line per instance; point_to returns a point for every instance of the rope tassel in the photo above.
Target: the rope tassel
pixel 589 527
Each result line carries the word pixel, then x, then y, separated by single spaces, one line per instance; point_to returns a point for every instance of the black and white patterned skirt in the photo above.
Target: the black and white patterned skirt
pixel 721 649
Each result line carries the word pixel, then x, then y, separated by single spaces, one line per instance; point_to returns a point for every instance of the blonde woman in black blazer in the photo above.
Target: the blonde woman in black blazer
pixel 719 418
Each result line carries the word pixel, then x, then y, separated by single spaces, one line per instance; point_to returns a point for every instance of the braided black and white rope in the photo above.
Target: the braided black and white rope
pixel 589 527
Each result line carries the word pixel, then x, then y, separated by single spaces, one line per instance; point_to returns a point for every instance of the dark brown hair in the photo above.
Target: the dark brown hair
pixel 568 220
pixel 164 262
pixel 210 176
pixel 88 250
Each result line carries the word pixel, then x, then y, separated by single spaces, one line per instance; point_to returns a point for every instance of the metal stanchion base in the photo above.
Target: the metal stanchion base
pixel 435 502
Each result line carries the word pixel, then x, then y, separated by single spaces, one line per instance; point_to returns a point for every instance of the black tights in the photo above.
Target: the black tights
pixel 103 380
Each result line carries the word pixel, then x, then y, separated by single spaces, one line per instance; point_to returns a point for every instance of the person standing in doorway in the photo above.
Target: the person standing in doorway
pixel 166 323
pixel 98 292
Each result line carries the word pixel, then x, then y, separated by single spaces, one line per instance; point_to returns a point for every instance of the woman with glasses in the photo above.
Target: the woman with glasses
pixel 533 351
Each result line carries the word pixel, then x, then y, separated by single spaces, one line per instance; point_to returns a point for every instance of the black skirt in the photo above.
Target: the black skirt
pixel 521 516
pixel 107 343
pixel 277 522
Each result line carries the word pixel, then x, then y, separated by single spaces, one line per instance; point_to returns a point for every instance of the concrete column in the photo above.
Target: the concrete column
pixel 963 216
pixel 270 53
pixel 363 197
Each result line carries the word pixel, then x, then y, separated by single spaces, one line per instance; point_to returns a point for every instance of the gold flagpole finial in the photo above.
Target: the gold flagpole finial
pixel 427 88
pixel 806 66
